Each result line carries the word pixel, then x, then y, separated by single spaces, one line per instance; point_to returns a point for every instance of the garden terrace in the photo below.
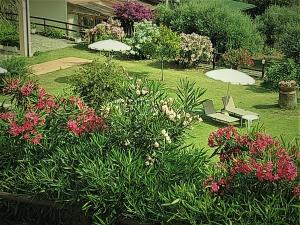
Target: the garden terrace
pixel 254 98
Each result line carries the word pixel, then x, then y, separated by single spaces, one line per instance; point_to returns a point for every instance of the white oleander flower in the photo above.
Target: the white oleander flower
pixel 156 144
pixel 138 92
pixel 164 108
pixel 127 142
pixel 168 140
pixel 164 133
pixel 144 91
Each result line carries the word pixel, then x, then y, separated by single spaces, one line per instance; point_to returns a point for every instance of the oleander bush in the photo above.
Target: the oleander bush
pixel 106 30
pixel 195 49
pixel 142 41
pixel 281 71
pixel 226 28
pixel 257 167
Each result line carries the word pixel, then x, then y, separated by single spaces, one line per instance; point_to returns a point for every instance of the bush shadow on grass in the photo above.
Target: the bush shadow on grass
pixel 216 123
pixel 63 80
pixel 258 89
pixel 167 65
pixel 267 106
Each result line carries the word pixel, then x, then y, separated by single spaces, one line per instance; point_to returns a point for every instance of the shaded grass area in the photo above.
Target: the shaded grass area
pixel 255 98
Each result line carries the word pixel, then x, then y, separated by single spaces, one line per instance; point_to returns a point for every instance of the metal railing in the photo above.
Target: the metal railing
pixel 44 22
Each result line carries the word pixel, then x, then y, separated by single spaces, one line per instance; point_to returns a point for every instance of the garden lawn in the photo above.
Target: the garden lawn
pixel 255 98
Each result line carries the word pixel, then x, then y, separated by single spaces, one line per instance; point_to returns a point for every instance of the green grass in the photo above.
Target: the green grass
pixel 255 98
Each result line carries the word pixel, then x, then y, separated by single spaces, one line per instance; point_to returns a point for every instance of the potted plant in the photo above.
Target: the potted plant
pixel 235 58
pixel 288 86
pixel 33 28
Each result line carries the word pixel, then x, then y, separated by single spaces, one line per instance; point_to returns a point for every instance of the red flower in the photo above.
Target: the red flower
pixel 36 140
pixel 11 86
pixel 8 116
pixel 27 89
pixel 296 191
pixel 14 129
pixel 214 187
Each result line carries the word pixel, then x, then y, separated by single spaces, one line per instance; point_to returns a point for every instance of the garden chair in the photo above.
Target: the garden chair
pixel 211 113
pixel 230 107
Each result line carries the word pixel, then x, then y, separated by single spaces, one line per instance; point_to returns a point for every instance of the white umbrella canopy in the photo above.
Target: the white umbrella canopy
pixel 2 71
pixel 231 76
pixel 109 46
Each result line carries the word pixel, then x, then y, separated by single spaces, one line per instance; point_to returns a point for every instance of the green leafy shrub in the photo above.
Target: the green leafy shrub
pixel 226 28
pixel 17 67
pixel 142 41
pixel 98 82
pixel 9 34
pixel 281 71
pixel 237 57
pixel 194 50
pixel 53 32
pixel 167 46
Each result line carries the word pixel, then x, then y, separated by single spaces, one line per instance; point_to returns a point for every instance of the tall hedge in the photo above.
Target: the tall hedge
pixel 281 29
pixel 227 28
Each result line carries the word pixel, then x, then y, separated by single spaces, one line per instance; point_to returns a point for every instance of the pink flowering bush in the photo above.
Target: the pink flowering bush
pixel 195 49
pixel 41 119
pixel 132 11
pixel 257 163
pixel 106 30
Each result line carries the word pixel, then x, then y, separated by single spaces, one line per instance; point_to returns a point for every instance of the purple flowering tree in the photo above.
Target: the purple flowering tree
pixel 131 11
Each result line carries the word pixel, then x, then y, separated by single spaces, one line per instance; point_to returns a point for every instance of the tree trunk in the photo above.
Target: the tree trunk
pixel 162 69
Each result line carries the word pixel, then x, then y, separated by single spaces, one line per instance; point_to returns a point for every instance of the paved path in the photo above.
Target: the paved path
pixel 42 44
pixel 58 64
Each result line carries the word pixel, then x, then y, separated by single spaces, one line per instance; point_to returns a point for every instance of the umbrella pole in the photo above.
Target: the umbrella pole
pixel 227 95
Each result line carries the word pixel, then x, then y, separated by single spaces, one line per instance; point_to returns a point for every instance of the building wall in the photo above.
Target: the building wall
pixel 50 9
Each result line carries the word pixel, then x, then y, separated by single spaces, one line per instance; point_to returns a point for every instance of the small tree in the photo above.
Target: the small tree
pixel 131 11
pixel 168 46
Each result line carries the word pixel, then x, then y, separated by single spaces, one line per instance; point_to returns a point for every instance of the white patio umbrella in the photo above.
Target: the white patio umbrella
pixel 109 46
pixel 2 71
pixel 231 76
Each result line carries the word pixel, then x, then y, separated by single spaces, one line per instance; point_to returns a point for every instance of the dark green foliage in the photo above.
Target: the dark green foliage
pixel 98 82
pixel 289 42
pixel 281 28
pixel 17 67
pixel 281 71
pixel 52 32
pixel 227 28
pixel 262 5
pixel 274 21
pixel 9 34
